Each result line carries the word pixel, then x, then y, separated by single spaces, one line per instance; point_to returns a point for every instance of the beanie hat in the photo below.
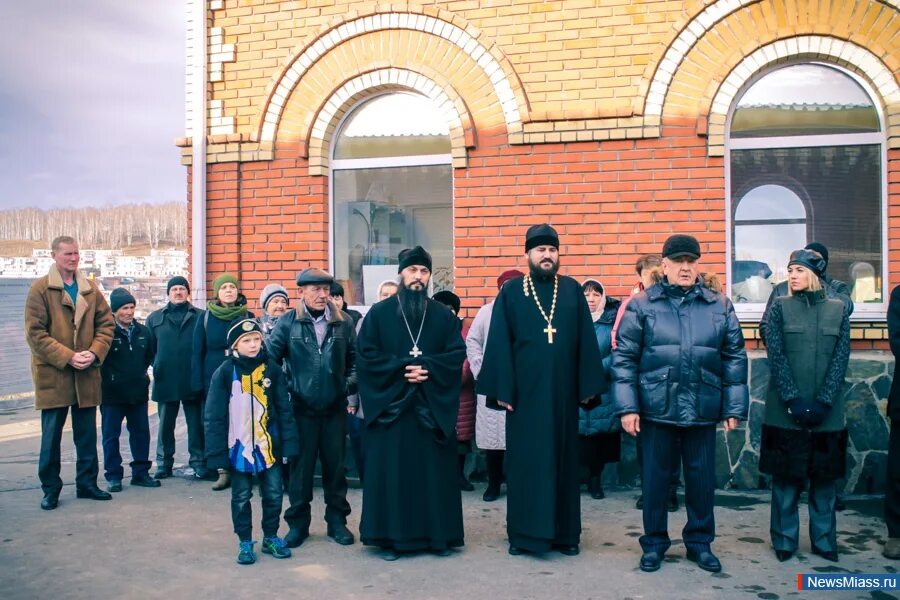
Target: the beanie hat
pixel 821 249
pixel 810 259
pixel 242 328
pixel 507 275
pixel 414 256
pixel 119 298
pixel 222 280
pixel 448 299
pixel 271 291
pixel 178 280
pixel 541 235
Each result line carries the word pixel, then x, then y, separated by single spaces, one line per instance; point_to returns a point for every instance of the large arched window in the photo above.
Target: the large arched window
pixel 391 189
pixel 806 162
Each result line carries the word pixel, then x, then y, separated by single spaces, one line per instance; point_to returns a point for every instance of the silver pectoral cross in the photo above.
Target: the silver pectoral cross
pixel 416 353
pixel 549 330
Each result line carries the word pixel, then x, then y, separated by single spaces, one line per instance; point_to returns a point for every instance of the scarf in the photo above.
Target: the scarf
pixel 251 448
pixel 595 316
pixel 228 313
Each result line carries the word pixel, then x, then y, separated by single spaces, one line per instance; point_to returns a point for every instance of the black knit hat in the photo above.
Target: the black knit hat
pixel 178 280
pixel 679 245
pixel 119 298
pixel 810 259
pixel 414 256
pixel 313 276
pixel 449 299
pixel 242 328
pixel 821 249
pixel 541 235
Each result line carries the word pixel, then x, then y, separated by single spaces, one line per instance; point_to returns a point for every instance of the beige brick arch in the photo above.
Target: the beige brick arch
pixel 468 41
pixel 810 47
pixel 660 74
pixel 347 95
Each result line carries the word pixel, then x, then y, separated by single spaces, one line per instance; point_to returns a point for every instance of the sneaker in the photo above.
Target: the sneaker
pixel 276 547
pixel 246 555
pixel 115 485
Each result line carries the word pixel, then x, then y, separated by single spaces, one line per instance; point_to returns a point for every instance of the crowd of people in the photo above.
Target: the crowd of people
pixel 545 381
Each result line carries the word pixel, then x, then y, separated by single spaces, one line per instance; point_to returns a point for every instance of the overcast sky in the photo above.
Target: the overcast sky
pixel 91 101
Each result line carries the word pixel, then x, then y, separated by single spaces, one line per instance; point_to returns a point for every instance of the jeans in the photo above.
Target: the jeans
pixel 138 424
pixel 269 491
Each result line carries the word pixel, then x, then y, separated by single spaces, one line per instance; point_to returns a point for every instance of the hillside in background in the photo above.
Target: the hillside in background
pixel 127 226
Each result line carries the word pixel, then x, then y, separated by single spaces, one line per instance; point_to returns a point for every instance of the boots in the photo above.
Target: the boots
pixel 595 488
pixel 223 482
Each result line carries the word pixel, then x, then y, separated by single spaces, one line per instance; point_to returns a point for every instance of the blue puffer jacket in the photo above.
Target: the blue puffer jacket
pixel 680 358
pixel 602 418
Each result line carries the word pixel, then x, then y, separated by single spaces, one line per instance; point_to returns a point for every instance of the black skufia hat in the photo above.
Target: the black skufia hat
pixel 414 256
pixel 541 235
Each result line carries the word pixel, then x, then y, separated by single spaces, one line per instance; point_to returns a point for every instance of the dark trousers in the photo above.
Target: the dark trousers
pixel 676 458
pixel 892 495
pixel 165 439
pixel 270 493
pixel 135 416
pixel 697 447
pixel 355 433
pixel 322 439
pixel 784 524
pixel 84 434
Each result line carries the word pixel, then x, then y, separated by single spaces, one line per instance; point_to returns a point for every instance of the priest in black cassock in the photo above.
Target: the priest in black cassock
pixel 541 362
pixel 409 359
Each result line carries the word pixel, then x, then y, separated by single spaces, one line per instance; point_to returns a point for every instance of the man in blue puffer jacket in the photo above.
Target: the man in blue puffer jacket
pixel 599 429
pixel 679 369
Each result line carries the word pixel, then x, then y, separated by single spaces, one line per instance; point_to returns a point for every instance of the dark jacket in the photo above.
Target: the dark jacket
pixel 172 343
pixel 893 322
pixel 680 358
pixel 210 348
pixel 834 288
pixel 320 378
pixel 280 426
pixel 602 418
pixel 124 372
pixel 808 349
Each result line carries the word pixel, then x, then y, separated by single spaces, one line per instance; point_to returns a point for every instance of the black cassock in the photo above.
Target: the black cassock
pixel 544 383
pixel 411 496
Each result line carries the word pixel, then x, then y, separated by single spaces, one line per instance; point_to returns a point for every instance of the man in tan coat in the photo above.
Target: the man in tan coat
pixel 69 327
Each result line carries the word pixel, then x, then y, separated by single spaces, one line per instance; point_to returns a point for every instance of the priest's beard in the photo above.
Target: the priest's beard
pixel 412 302
pixel 543 270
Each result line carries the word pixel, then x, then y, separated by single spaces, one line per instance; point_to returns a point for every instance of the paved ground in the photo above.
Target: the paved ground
pixel 176 542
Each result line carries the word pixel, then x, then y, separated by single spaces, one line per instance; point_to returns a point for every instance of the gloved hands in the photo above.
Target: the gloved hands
pixel 808 413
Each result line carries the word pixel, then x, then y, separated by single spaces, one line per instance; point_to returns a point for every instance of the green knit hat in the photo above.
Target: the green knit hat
pixel 222 280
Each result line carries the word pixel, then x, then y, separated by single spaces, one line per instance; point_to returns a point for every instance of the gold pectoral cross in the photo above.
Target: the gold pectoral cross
pixel 416 353
pixel 549 330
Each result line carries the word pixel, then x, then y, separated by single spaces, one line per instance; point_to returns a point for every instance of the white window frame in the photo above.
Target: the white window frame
pixel 350 164
pixel 869 311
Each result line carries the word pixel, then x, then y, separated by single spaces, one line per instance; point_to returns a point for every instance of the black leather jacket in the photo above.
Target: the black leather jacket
pixel 320 378
pixel 680 358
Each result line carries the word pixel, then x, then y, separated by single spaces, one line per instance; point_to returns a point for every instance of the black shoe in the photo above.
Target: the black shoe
pixel 673 500
pixel 114 486
pixel 389 554
pixel 465 485
pixel 144 481
pixel 568 550
pixel 596 489
pixel 295 537
pixel 651 561
pixel 206 475
pixel 705 559
pixel 162 473
pixel 515 551
pixel 831 555
pixel 491 493
pixel 94 493
pixel 639 503
pixel 50 501
pixel 839 504
pixel 442 552
pixel 783 555
pixel 339 533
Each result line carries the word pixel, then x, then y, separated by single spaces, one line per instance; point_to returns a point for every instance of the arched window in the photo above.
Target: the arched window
pixel 805 164
pixel 391 189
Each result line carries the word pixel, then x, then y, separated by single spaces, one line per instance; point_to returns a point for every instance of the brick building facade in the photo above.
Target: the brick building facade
pixel 615 120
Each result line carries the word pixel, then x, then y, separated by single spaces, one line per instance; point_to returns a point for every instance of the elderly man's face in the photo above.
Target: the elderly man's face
pixel 316 296
pixel 681 271
pixel 178 294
